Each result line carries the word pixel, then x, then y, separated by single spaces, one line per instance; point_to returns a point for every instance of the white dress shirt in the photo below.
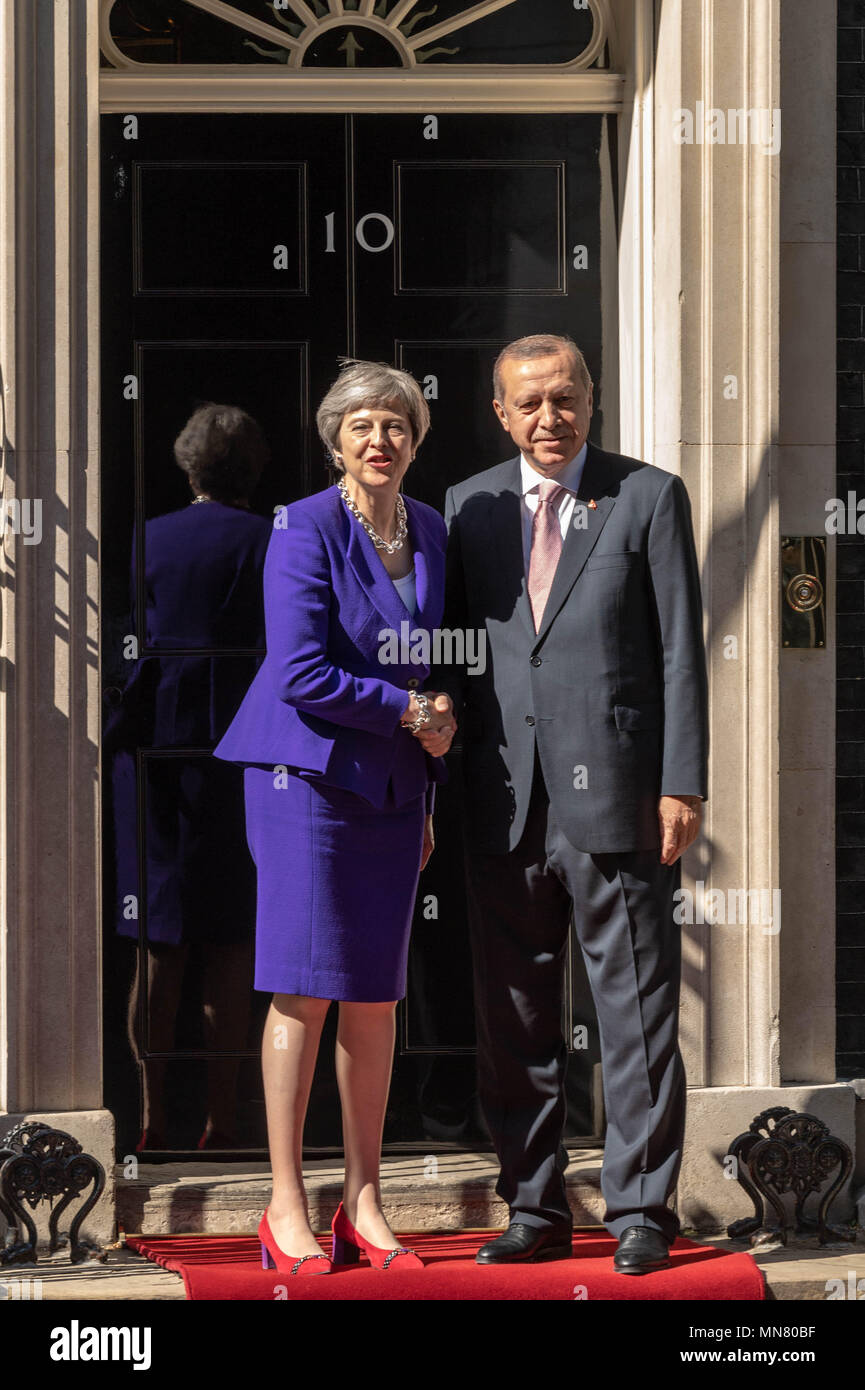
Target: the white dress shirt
pixel 407 590
pixel 569 478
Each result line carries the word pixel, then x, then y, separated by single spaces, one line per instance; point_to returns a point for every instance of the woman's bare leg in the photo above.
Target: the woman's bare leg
pixel 364 1061
pixel 165 967
pixel 292 1031
pixel 226 999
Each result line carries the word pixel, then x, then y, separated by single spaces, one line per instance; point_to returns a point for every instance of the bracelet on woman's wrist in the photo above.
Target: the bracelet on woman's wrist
pixel 423 718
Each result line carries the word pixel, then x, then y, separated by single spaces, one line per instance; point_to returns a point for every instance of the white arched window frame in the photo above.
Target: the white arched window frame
pixel 581 83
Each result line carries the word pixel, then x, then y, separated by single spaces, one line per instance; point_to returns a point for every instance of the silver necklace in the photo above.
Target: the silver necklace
pixel 205 497
pixel 378 542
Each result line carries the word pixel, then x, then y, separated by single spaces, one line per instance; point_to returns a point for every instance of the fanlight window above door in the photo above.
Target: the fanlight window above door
pixel 567 35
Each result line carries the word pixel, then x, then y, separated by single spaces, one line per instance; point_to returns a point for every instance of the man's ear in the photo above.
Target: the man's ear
pixel 502 414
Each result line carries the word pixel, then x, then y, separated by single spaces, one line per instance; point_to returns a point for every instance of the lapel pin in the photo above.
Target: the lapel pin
pixel 593 506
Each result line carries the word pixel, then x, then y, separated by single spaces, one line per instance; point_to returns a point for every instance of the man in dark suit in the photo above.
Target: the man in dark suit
pixel 584 756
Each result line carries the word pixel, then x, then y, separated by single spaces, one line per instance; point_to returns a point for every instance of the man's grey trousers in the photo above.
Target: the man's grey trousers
pixel 520 906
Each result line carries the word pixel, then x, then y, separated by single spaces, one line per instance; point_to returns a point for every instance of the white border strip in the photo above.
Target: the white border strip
pixel 224 89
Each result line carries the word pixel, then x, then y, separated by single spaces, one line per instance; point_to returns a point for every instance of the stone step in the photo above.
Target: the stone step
pixel 444 1192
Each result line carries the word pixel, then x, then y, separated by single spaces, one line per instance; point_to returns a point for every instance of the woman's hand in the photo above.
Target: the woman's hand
pixel 437 736
pixel 428 841
pixel 440 710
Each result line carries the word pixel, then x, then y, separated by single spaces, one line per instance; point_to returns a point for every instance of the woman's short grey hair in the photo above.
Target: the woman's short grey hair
pixel 368 386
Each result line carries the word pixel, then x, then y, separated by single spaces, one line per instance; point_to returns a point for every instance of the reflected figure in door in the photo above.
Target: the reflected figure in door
pixel 203 589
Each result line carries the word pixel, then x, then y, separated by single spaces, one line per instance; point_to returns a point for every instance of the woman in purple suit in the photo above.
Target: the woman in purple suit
pixel 339 794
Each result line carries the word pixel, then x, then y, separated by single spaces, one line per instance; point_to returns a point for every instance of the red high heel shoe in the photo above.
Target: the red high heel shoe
pixel 216 1139
pixel 272 1257
pixel 150 1139
pixel 348 1244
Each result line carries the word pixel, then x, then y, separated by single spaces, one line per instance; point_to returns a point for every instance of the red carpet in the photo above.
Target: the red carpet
pixel 229 1267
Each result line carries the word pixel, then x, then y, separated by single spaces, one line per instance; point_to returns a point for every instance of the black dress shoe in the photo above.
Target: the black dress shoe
pixel 521 1244
pixel 641 1249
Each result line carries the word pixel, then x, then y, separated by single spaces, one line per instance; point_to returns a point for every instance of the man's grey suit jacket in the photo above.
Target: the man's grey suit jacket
pixel 613 687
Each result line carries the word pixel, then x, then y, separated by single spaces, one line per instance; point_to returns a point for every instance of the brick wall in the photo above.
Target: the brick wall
pixel 850 630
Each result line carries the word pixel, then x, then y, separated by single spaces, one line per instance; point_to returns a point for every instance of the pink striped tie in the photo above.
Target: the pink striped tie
pixel 546 547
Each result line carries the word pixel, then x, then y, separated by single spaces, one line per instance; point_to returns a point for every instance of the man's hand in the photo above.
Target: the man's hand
pixel 680 818
pixel 436 738
pixel 428 842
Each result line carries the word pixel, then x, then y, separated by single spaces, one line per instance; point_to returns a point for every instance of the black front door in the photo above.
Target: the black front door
pixel 242 256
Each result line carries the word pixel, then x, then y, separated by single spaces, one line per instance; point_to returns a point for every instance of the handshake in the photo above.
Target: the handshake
pixel 436 736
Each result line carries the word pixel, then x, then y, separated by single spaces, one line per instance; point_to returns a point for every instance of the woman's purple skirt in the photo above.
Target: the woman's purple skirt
pixel 336 887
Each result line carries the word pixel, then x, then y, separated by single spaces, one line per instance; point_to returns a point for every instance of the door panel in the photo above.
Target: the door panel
pixel 486 244
pixel 268 379
pixel 497 228
pixel 242 256
pixel 176 201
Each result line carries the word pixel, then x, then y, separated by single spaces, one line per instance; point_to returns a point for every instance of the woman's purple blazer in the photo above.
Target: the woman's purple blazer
pixel 325 699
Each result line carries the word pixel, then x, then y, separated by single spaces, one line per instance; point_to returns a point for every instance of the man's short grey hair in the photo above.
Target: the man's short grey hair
pixel 368 386
pixel 538 345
